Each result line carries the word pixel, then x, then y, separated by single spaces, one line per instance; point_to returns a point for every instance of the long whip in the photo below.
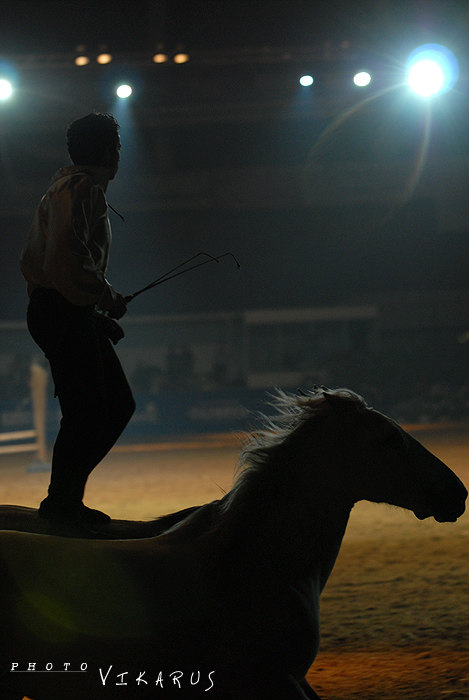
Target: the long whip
pixel 176 271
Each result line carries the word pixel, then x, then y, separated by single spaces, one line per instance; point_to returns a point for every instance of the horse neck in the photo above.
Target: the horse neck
pixel 271 518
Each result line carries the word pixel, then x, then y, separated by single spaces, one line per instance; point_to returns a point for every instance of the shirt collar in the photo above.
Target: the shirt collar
pixel 98 173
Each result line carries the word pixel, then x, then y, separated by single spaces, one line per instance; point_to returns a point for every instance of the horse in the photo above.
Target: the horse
pixel 225 602
pixel 25 519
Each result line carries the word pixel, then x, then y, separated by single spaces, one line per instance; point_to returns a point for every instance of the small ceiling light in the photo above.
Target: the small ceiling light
pixel 160 58
pixel 306 80
pixel 104 58
pixel 181 57
pixel 82 60
pixel 362 79
pixel 124 91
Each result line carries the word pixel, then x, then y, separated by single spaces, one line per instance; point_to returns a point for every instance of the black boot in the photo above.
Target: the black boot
pixel 64 513
pixel 91 516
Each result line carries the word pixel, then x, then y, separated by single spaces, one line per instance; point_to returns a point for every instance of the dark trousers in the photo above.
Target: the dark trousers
pixel 94 395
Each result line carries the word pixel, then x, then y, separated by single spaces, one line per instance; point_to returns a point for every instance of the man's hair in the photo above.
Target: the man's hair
pixel 90 138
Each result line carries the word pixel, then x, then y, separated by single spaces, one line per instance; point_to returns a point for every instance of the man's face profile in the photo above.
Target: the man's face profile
pixel 114 159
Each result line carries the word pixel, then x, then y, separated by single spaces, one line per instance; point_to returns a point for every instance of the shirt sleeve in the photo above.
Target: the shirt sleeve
pixel 77 243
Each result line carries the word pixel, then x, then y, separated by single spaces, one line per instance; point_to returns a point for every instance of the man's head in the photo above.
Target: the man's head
pixel 94 140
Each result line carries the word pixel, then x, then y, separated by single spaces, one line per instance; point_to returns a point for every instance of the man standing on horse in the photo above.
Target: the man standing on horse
pixel 64 262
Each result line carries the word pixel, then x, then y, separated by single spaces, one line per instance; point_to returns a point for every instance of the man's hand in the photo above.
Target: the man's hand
pixel 119 307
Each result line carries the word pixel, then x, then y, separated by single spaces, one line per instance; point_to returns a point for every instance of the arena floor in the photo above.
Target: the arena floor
pixel 396 609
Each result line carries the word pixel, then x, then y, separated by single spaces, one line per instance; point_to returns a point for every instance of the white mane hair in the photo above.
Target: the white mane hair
pixel 293 411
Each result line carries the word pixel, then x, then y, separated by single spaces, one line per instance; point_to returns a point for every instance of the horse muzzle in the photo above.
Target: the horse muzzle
pixel 445 508
pixel 443 515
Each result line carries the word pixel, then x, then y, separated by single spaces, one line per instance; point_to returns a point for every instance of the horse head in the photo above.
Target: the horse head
pixel 331 443
pixel 384 463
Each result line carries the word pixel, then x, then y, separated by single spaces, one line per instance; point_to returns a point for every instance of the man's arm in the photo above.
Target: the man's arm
pixel 77 247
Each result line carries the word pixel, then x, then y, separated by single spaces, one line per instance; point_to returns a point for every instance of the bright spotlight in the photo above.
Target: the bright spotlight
pixel 6 89
pixel 306 80
pixel 362 79
pixel 431 69
pixel 124 91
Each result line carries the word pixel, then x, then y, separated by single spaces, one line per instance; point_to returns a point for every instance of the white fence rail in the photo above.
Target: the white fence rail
pixel 34 439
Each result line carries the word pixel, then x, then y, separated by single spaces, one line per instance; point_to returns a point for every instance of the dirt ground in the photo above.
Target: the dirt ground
pixel 395 612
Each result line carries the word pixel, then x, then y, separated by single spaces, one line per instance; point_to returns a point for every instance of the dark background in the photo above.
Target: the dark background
pixel 324 196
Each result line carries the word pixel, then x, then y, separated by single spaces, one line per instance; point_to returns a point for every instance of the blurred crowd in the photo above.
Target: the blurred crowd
pixel 409 394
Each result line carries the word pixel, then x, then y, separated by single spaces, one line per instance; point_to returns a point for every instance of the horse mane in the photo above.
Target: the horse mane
pixel 293 411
